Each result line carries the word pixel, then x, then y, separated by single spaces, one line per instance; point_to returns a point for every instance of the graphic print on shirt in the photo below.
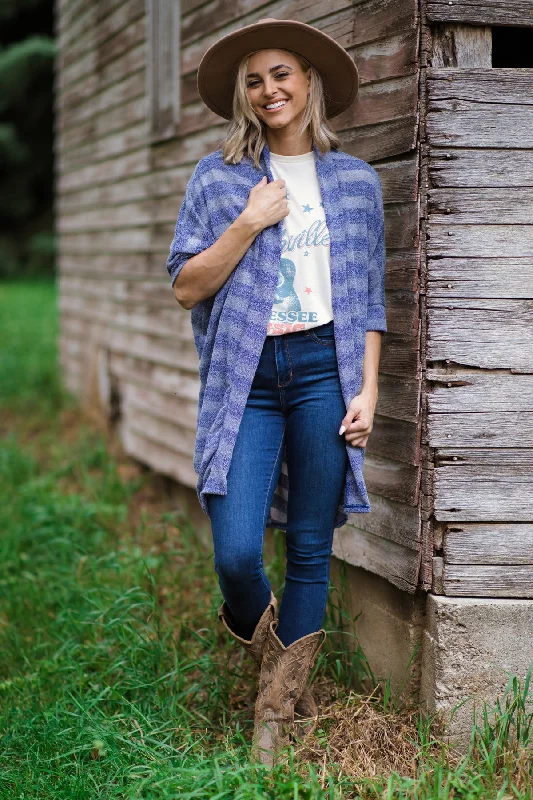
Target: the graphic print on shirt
pixel 286 298
pixel 303 293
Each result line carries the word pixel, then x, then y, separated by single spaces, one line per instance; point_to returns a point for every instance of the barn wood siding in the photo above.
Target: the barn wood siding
pixel 118 199
pixel 479 308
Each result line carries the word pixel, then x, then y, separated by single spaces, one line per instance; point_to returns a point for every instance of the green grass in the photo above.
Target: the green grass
pixel 115 680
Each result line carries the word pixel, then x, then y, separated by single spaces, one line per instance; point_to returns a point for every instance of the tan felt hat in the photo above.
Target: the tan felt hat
pixel 218 67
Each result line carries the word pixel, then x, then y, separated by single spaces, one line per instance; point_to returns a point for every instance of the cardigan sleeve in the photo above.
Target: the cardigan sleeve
pixel 376 317
pixel 193 231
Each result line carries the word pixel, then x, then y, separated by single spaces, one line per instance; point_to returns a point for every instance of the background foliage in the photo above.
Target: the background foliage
pixel 26 137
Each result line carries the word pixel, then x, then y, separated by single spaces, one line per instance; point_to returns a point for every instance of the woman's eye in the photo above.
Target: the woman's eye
pixel 278 76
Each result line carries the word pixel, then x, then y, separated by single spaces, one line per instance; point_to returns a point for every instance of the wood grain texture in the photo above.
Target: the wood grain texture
pixel 392 561
pixel 488 581
pixel 481 12
pixel 510 278
pixel 484 484
pixel 480 206
pixel 489 544
pixel 460 123
pixel 459 390
pixel 392 479
pixel 497 86
pixel 484 429
pixel 485 241
pixel 456 45
pixel 457 168
pixel 484 333
pixel 163 460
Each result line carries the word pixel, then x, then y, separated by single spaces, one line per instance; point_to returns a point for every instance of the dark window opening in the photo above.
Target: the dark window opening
pixel 512 47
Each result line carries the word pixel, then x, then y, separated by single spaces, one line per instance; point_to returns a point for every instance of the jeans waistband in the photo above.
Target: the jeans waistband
pixel 327 326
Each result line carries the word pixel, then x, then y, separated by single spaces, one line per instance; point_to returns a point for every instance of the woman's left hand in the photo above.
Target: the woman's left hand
pixel 359 418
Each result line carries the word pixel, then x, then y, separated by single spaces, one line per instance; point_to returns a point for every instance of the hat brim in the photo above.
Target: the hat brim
pixel 218 67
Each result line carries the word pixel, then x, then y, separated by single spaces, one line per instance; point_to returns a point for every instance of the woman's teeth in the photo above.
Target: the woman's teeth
pixel 274 106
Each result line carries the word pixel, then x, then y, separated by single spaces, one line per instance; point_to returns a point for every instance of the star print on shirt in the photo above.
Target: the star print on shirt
pixel 321 205
pixel 306 253
pixel 308 290
pixel 307 208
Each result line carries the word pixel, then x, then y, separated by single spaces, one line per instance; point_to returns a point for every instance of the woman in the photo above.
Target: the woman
pixel 279 254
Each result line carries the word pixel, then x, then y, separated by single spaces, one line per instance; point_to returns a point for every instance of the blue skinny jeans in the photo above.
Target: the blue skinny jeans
pixel 295 398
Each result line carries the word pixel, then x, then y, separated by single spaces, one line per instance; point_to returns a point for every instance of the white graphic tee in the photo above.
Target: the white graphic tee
pixel 303 294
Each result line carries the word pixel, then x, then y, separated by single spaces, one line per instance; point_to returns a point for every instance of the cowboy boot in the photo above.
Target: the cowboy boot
pixel 306 710
pixel 284 673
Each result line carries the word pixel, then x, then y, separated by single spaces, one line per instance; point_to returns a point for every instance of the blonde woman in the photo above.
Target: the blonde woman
pixel 279 254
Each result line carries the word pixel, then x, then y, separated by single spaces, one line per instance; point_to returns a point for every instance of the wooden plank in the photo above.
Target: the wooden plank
pixel 117 168
pixel 481 12
pixel 392 479
pixel 105 218
pixel 395 439
pixel 488 581
pixel 383 140
pixel 479 277
pixel 109 241
pixel 490 544
pixel 125 116
pixel 481 241
pixel 402 271
pixel 494 206
pixel 389 520
pixel 479 332
pixel 380 102
pixel 100 31
pixel 160 322
pixel 133 294
pixel 181 413
pixel 392 561
pixel 480 168
pixel 464 429
pixel 497 86
pixel 457 123
pixel 398 398
pixel 160 378
pixel 106 147
pixel 399 180
pixel 400 356
pixel 484 485
pixel 117 193
pixel 461 46
pixel 74 115
pixel 461 390
pixel 163 42
pixel 178 438
pixel 140 265
pixel 142 347
pixel 80 85
pixel 162 459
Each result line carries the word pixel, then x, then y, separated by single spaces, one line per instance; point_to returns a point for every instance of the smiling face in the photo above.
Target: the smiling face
pixel 277 87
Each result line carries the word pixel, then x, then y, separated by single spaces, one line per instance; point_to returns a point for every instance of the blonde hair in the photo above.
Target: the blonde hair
pixel 246 133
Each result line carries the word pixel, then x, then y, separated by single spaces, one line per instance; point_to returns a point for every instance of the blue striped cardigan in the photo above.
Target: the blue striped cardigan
pixel 230 327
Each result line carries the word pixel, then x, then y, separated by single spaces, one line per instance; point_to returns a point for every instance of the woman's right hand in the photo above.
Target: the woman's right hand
pixel 267 203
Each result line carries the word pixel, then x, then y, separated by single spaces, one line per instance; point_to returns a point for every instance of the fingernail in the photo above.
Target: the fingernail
pixel 342 429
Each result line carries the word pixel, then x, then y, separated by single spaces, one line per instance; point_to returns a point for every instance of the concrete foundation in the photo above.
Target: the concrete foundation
pixel 390 625
pixel 470 647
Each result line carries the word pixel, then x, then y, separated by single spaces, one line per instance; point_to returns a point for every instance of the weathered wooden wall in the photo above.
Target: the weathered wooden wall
pixel 125 342
pixel 478 162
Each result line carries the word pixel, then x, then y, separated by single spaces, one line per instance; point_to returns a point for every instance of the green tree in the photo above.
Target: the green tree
pixel 26 137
